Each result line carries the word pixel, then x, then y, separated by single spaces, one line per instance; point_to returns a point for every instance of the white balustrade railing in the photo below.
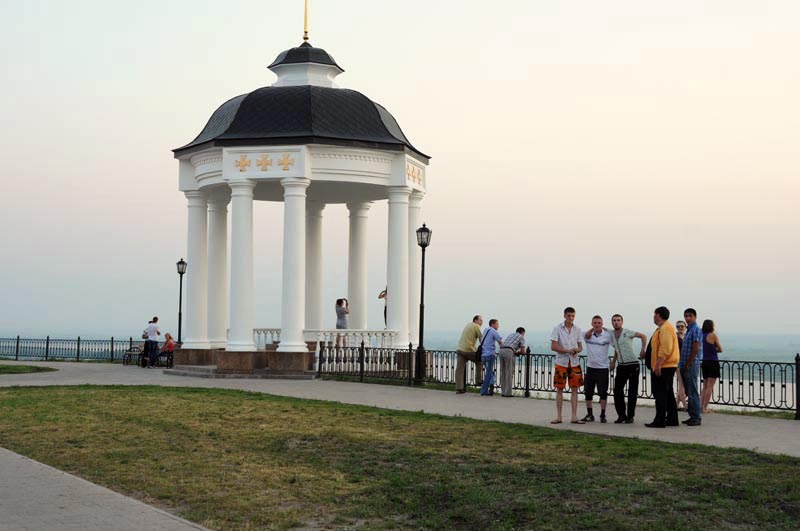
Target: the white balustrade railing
pixel 354 338
pixel 266 336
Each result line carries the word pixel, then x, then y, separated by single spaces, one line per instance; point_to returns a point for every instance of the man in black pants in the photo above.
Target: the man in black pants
pixel 664 362
pixel 628 370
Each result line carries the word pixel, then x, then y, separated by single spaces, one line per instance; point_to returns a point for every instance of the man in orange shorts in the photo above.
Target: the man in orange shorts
pixel 566 341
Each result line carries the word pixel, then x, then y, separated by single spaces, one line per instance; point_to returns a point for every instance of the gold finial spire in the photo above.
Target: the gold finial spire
pixel 305 27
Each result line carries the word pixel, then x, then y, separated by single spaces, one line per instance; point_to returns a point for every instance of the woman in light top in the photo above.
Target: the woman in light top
pixel 342 311
pixel 710 366
pixel 680 329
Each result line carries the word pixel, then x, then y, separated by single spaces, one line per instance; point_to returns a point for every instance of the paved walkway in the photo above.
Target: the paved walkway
pixel 36 497
pixel 776 436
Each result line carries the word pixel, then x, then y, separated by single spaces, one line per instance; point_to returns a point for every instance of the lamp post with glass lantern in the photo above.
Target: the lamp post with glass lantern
pixel 423 240
pixel 181 265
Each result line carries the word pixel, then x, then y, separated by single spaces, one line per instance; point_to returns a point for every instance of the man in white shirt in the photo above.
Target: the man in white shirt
pixel 567 342
pixel 152 339
pixel 598 340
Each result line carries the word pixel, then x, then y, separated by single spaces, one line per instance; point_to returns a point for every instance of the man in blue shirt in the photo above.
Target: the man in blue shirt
pixel 689 365
pixel 487 356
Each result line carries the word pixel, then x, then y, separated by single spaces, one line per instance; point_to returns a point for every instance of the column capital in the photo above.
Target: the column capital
pixel 218 203
pixel 314 208
pixel 399 194
pixel 295 182
pixel 359 209
pixel 196 198
pixel 242 188
pixel 417 196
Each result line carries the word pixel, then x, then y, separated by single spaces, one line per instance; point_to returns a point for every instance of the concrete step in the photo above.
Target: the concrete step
pixel 203 369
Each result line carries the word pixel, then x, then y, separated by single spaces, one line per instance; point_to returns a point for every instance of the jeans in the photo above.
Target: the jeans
pixel 488 377
pixel 626 374
pixel 152 352
pixel 690 375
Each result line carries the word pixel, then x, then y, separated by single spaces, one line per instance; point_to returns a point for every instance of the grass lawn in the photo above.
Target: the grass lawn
pixel 23 369
pixel 236 460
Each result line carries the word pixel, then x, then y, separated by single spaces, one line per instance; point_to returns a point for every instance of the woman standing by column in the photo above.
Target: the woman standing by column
pixel 342 310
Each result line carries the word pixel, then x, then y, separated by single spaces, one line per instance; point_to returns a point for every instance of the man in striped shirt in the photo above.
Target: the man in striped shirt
pixel 513 344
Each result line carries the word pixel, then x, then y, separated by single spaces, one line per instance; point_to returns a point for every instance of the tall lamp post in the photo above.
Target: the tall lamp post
pixel 181 264
pixel 423 240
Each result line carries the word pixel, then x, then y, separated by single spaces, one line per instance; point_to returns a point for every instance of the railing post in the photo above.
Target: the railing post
pixel 361 356
pixel 78 350
pixel 410 364
pixel 46 348
pixel 130 343
pixel 112 349
pixel 528 373
pixel 16 352
pixel 797 387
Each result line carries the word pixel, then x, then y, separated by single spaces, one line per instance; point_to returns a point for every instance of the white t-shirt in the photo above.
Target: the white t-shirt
pixel 597 350
pixel 152 332
pixel 567 339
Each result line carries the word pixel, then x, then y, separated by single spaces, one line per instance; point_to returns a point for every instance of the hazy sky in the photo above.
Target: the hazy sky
pixel 613 156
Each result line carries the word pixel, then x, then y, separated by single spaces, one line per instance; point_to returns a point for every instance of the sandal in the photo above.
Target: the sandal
pixel 578 422
pixel 555 422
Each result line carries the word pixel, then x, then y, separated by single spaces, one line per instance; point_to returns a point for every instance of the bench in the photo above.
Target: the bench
pixel 132 356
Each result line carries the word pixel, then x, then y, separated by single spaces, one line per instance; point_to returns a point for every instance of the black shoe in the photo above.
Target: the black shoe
pixel 655 425
pixel 460 392
pixel 629 420
pixel 588 418
pixel 687 421
pixel 491 392
pixel 675 423
pixel 620 420
pixel 603 419
pixel 694 422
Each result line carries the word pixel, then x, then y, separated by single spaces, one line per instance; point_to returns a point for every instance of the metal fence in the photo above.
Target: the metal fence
pixel 746 384
pixel 53 349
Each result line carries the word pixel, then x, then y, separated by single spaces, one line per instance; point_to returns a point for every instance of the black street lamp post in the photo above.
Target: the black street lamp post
pixel 181 264
pixel 423 240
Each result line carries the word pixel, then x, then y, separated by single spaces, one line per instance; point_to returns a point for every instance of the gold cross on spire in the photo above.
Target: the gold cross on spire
pixel 305 26
pixel 243 163
pixel 264 162
pixel 286 161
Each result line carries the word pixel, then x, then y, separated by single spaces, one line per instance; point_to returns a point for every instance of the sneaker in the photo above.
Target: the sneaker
pixel 694 422
pixel 620 420
pixel 687 421
pixel 588 418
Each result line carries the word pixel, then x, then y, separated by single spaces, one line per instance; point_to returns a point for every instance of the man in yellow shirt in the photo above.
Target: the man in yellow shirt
pixel 465 351
pixel 664 358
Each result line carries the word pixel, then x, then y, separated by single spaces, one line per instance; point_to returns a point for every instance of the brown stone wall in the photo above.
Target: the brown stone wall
pixel 240 362
pixel 184 356
pixel 290 361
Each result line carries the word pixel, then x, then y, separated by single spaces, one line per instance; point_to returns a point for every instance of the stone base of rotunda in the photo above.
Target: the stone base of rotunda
pixel 259 364
pixel 184 356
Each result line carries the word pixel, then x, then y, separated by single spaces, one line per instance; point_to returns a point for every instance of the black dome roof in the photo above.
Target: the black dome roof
pixel 304 114
pixel 305 53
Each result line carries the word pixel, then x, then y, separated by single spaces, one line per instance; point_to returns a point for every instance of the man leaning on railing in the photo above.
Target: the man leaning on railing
pixel 465 351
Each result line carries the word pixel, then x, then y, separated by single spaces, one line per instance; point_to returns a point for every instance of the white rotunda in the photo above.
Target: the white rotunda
pixel 306 142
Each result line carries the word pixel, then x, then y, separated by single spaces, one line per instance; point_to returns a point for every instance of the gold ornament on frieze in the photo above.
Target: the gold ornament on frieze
pixel 243 163
pixel 286 161
pixel 264 163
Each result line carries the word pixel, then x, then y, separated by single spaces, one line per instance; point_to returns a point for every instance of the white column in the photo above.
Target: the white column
pixel 294 265
pixel 241 297
pixel 218 270
pixel 196 336
pixel 314 266
pixel 397 266
pixel 357 265
pixel 414 263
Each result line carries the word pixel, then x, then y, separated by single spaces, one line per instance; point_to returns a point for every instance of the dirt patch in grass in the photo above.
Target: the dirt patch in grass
pixel 236 460
pixel 23 369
